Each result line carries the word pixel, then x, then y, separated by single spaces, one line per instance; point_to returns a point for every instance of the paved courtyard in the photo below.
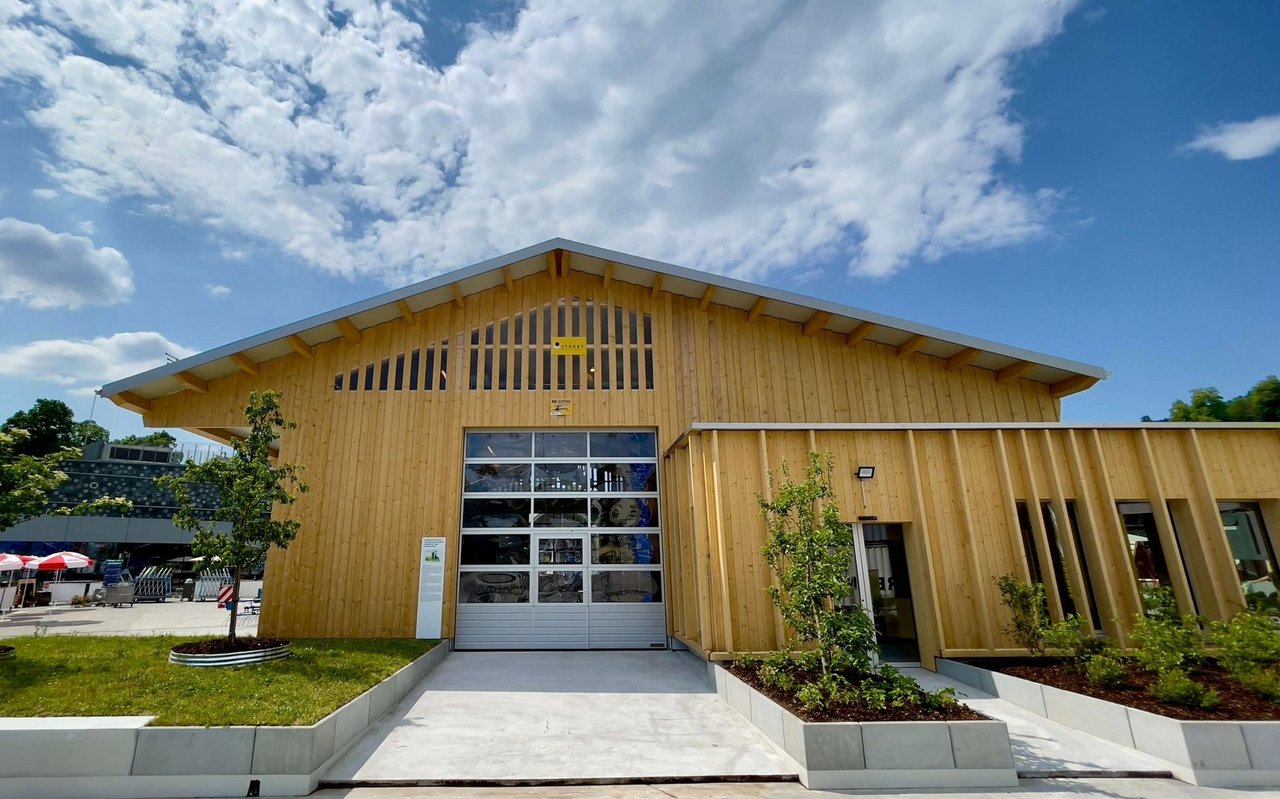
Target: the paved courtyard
pixel 561 715
pixel 171 617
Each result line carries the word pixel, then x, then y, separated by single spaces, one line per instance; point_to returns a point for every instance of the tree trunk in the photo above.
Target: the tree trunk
pixel 235 602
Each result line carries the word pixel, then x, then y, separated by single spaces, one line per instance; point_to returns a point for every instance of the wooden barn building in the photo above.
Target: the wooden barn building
pixel 581 435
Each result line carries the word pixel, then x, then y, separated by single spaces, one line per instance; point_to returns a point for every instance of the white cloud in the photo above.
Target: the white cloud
pixel 44 194
pixel 1240 141
pixel 217 291
pixel 81 365
pixel 729 135
pixel 44 269
pixel 85 226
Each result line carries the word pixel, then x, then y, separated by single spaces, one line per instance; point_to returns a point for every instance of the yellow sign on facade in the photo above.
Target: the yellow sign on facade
pixel 569 345
pixel 562 407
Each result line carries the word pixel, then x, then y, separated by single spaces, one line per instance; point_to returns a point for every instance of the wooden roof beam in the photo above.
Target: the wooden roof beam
pixel 458 299
pixel 1071 385
pixel 911 346
pixel 963 358
pixel 1013 371
pixel 562 257
pixel 131 401
pixel 507 281
pixel 757 308
pixel 299 346
pixel 608 274
pixel 657 285
pixel 859 333
pixel 707 294
pixel 406 312
pixel 245 364
pixel 192 383
pixel 349 330
pixel 815 323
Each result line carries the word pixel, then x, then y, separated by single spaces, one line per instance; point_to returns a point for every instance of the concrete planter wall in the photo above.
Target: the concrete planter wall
pixel 881 754
pixel 1227 754
pixel 120 757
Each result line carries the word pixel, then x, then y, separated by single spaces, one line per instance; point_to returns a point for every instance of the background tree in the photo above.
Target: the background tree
pixel 50 426
pixel 161 438
pixel 27 480
pixel 1259 404
pixel 249 486
pixel 88 432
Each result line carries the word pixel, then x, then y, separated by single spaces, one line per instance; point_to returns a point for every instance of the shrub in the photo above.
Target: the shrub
pixel 1263 682
pixel 1249 649
pixel 1072 640
pixel 1026 603
pixel 1176 688
pixel 1105 669
pixel 1166 641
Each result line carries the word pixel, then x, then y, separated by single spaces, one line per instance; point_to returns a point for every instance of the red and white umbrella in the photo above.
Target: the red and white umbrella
pixel 61 560
pixel 13 563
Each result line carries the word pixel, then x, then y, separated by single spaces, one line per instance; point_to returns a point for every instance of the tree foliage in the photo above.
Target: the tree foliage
pixel 161 438
pixel 249 486
pixel 27 480
pixel 89 432
pixel 809 549
pixel 1260 404
pixel 50 426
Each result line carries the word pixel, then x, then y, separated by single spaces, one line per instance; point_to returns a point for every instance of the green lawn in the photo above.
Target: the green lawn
pixel 131 676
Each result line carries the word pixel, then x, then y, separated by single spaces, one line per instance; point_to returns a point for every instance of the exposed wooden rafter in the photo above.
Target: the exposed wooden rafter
pixel 1013 371
pixel 859 333
pixel 131 401
pixel 562 257
pixel 608 274
pixel 458 298
pixel 815 323
pixel 707 296
pixel 553 264
pixel 299 346
pixel 349 330
pixel 963 358
pixel 245 364
pixel 757 308
pixel 657 285
pixel 506 279
pixel 1071 385
pixel 406 312
pixel 911 346
pixel 191 382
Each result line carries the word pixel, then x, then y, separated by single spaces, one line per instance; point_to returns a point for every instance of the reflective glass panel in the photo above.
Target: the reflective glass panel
pixel 495 550
pixel 560 477
pixel 559 587
pixel 481 477
pixel 493 588
pixel 622 477
pixel 1254 558
pixel 557 512
pixel 626 586
pixel 560 445
pixel 495 513
pixel 1145 547
pixel 624 512
pixel 624 445
pixel 560 550
pixel 498 445
pixel 624 548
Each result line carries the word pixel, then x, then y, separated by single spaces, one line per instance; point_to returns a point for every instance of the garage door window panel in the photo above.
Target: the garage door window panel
pixel 493 588
pixel 626 586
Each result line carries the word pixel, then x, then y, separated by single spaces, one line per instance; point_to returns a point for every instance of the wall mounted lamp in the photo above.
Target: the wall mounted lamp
pixel 866 472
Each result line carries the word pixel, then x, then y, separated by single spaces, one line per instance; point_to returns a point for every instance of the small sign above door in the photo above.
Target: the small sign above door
pixel 562 407
pixel 569 345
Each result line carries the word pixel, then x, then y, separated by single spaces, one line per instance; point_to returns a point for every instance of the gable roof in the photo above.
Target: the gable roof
pixel 1062 375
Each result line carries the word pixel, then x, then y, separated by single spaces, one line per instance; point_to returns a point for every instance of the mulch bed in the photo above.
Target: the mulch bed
pixel 221 646
pixel 1237 703
pixel 856 712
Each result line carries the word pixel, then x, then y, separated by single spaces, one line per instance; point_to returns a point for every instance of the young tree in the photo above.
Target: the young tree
pixel 249 486
pixel 26 482
pixel 809 549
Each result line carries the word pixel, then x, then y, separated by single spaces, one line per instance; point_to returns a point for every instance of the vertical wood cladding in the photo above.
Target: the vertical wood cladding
pixel 384 465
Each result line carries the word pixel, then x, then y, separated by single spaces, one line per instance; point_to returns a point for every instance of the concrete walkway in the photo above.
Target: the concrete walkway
pixel 560 716
pixel 1044 748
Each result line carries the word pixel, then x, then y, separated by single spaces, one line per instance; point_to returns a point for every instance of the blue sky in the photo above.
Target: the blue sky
pixel 1098 181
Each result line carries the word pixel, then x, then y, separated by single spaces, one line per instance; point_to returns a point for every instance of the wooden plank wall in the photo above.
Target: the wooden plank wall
pixel 384 466
pixel 955 491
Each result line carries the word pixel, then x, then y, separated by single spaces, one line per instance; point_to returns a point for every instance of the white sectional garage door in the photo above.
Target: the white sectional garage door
pixel 561 541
